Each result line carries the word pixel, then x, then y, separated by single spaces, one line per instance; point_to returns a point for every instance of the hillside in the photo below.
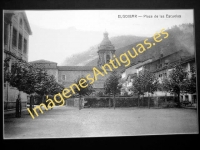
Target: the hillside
pixel 180 38
pixel 87 57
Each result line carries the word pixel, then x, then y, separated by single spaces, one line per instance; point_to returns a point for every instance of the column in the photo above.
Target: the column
pixel 104 58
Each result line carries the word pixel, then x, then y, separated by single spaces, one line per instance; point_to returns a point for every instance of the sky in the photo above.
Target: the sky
pixel 58 34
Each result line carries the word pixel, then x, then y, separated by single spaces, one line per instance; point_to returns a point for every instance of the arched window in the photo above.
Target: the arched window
pixel 107 58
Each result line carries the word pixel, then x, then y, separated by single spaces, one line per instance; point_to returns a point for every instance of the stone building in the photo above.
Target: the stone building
pixel 15 47
pixel 162 67
pixel 66 75
pixel 106 51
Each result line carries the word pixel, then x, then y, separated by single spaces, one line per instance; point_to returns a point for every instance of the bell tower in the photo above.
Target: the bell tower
pixel 105 51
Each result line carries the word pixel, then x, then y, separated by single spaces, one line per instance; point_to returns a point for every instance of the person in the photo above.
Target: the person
pixel 31 103
pixel 18 107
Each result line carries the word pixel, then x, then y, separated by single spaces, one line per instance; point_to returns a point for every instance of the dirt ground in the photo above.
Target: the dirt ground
pixel 69 122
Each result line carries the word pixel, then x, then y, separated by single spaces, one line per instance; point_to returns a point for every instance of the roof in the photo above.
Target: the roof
pixel 106 43
pixel 141 63
pixel 24 17
pixel 75 68
pixel 180 61
pixel 42 61
pixel 159 58
pixel 79 68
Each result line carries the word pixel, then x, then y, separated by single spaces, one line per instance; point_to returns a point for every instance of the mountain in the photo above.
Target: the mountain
pixel 180 38
pixel 85 58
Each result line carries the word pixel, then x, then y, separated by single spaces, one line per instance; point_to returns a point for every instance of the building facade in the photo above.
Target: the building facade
pixel 163 66
pixel 66 75
pixel 16 40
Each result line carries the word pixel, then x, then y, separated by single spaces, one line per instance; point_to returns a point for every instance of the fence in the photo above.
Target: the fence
pixel 121 101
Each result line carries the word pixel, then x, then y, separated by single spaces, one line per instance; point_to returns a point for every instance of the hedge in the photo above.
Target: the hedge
pixel 127 101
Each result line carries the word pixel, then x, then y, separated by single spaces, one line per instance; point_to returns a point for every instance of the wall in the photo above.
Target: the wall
pixel 20 29
pixel 11 96
pixel 53 72
pixel 71 76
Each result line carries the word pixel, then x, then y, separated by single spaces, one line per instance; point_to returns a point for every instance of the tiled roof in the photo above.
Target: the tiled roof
pixel 159 58
pixel 75 68
pixel 179 61
pixel 42 61
pixel 78 68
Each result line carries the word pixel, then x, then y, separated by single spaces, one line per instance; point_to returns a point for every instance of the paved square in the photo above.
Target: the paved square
pixel 64 122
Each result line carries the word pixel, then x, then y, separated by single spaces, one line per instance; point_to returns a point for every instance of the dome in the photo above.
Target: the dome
pixel 106 43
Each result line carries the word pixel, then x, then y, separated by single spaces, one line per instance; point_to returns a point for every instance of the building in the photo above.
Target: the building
pixel 66 75
pixel 162 67
pixel 128 74
pixel 51 67
pixel 16 40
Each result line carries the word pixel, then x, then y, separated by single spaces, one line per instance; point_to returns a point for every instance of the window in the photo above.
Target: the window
pixel 25 46
pixel 107 58
pixel 20 42
pixel 14 37
pixel 63 77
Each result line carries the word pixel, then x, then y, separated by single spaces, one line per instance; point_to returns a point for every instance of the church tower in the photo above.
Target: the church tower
pixel 106 50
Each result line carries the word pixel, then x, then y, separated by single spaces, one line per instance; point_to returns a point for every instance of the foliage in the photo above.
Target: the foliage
pixel 176 79
pixel 100 93
pixel 111 85
pixel 138 84
pixel 145 82
pixel 150 82
pixel 83 91
pixel 7 74
pixel 189 84
pixel 30 79
pixel 21 76
pixel 165 85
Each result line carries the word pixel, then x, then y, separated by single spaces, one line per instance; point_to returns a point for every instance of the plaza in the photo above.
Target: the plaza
pixel 69 122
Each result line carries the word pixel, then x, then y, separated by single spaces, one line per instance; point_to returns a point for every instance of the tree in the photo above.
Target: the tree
pixel 189 84
pixel 21 78
pixel 112 86
pixel 7 73
pixel 145 82
pixel 176 78
pixel 165 86
pixel 84 88
pixel 30 79
pixel 138 86
pixel 150 82
pixel 46 84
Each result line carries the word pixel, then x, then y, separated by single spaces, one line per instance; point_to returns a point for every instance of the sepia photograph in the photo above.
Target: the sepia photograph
pixel 99 73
